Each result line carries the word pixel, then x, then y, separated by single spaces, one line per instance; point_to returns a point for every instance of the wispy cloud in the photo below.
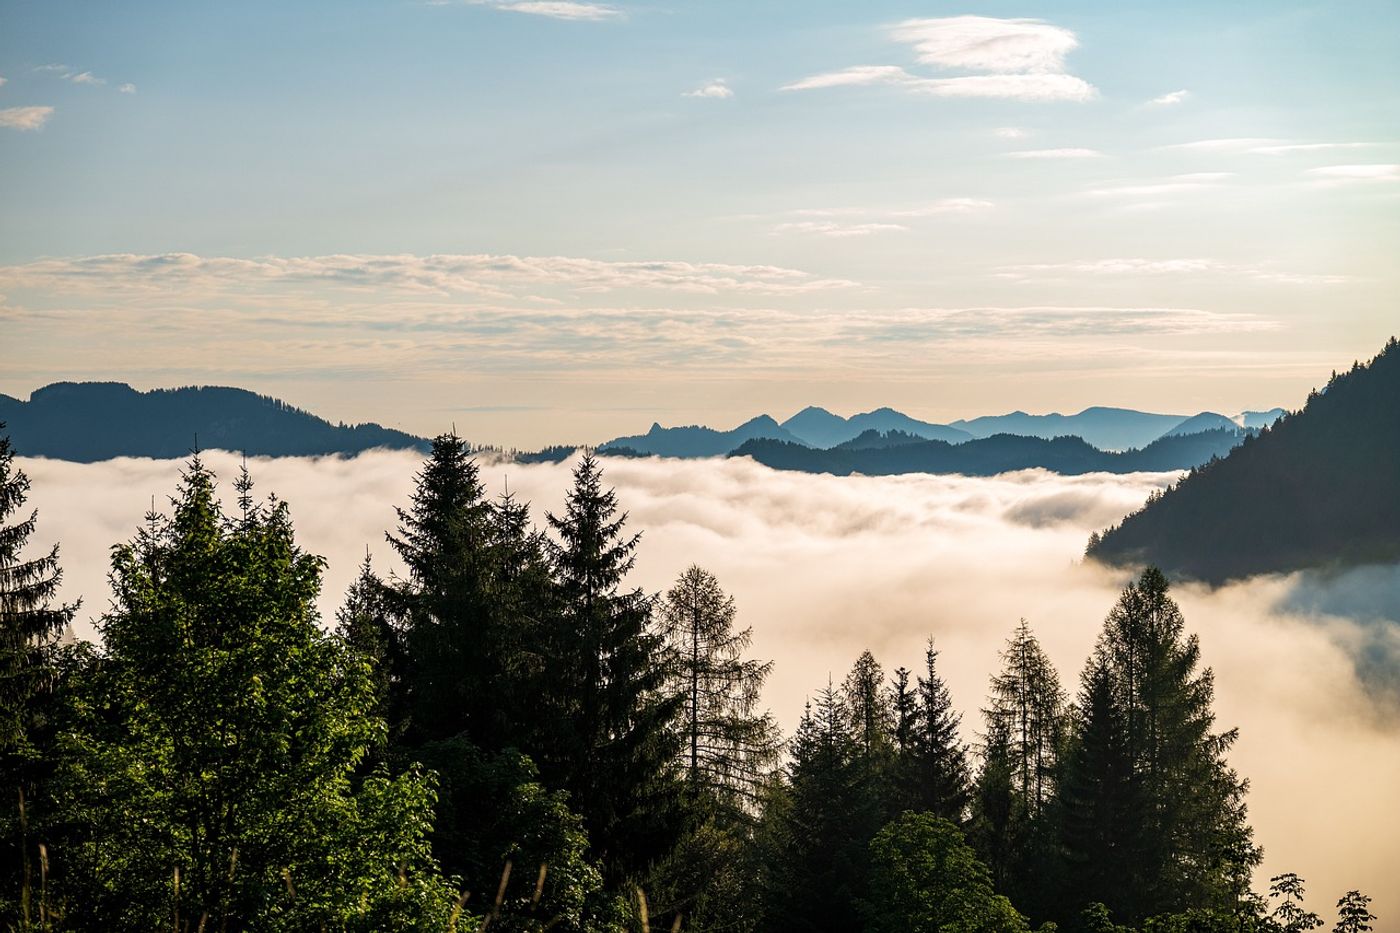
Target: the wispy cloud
pixel 86 77
pixel 1172 184
pixel 1010 132
pixel 554 9
pixel 127 88
pixel 1170 99
pixel 1021 59
pixel 718 89
pixel 1055 154
pixel 2 80
pixel 74 76
pixel 1332 175
pixel 1258 145
pixel 1134 267
pixel 475 274
pixel 25 118
pixel 833 228
pixel 929 209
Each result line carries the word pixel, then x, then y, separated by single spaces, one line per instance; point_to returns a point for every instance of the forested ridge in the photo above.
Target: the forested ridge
pixel 511 736
pixel 1317 489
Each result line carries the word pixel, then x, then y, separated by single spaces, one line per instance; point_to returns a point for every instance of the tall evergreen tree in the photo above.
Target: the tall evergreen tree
pixel 367 624
pixel 208 757
pixel 446 608
pixel 727 743
pixel 933 767
pixel 818 869
pixel 1187 805
pixel 1097 802
pixel 1026 699
pixel 868 706
pixel 31 623
pixel 614 747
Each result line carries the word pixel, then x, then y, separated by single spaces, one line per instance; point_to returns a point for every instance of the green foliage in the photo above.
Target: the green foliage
pixel 925 878
pixel 610 736
pixel 207 754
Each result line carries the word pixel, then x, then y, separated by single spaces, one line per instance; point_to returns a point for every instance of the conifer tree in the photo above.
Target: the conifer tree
pixel 1027 703
pixel 1186 808
pixel 209 752
pixel 1096 802
pixel 999 820
pixel 817 873
pixel 727 743
pixel 366 623
pixel 31 623
pixel 451 631
pixel 867 705
pixel 614 747
pixel 935 765
pixel 902 705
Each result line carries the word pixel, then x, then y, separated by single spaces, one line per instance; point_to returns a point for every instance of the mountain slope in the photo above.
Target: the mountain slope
pixel 1320 488
pixel 88 421
pixel 697 440
pixel 1105 428
pixel 1205 421
pixel 877 455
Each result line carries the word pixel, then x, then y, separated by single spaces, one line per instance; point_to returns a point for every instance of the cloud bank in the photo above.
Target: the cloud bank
pixel 823 567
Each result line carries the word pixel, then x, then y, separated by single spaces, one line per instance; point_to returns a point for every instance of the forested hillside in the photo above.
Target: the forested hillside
pixel 1318 489
pixel 86 421
pixel 873 454
pixel 512 736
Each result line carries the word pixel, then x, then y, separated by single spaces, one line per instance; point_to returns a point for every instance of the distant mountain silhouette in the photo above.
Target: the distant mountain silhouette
pixel 1205 421
pixel 988 456
pixel 1105 428
pixel 1320 488
pixel 88 421
pixel 873 439
pixel 818 427
pixel 1261 419
pixel 697 440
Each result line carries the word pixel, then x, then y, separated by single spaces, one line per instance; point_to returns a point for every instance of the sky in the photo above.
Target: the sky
pixel 549 221
pixel 824 567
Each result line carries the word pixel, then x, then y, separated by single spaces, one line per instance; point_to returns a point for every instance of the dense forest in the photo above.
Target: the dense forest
pixel 876 454
pixel 509 736
pixel 1318 489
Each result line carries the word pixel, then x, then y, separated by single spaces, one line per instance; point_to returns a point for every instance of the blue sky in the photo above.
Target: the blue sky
pixel 557 220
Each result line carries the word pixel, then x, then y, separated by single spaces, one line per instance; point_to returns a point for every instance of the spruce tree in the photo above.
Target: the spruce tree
pixel 613 745
pixel 367 624
pixel 817 871
pixel 867 705
pixel 31 623
pixel 451 630
pixel 1096 802
pixel 934 767
pixel 1026 699
pixel 1194 845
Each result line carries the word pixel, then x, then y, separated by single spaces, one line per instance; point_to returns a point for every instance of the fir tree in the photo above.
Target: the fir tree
pixel 868 707
pixel 366 623
pixel 31 623
pixel 614 746
pixel 1187 806
pixel 936 770
pixel 1027 703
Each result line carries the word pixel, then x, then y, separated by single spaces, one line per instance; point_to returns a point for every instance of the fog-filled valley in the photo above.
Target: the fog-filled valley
pixel 823 567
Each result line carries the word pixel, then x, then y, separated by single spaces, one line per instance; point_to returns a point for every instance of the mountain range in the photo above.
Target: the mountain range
pixel 88 421
pixel 1104 428
pixel 1320 488
pixel 873 454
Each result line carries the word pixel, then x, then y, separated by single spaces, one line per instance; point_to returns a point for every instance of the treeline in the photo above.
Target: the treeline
pixel 508 736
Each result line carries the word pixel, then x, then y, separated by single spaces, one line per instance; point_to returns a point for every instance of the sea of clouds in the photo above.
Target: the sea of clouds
pixel 823 567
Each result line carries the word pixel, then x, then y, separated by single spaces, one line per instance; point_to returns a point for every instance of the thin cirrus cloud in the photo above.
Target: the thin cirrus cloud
pixel 1010 132
pixel 475 274
pixel 1019 59
pixel 25 118
pixel 1172 184
pixel 1261 145
pixel 833 228
pixel 1170 99
pixel 1333 175
pixel 1136 266
pixel 717 89
pixel 1068 153
pixel 74 76
pixel 553 9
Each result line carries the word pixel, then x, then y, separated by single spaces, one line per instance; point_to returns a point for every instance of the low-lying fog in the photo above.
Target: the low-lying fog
pixel 823 567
